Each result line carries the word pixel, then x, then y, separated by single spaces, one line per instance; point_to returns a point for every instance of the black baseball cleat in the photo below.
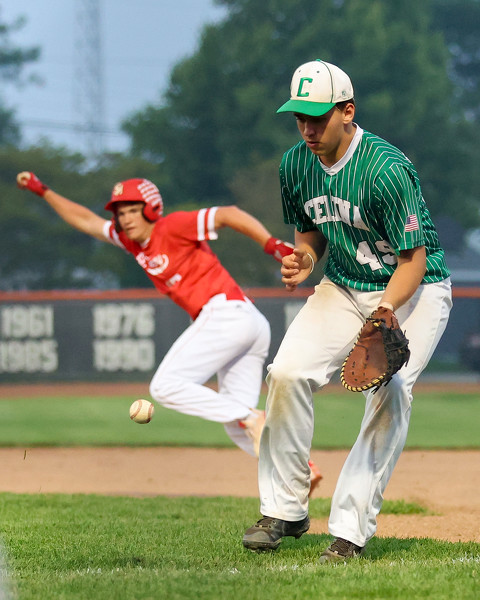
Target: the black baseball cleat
pixel 340 550
pixel 267 533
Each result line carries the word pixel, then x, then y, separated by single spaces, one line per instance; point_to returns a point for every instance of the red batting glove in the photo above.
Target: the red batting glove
pixel 29 181
pixel 278 249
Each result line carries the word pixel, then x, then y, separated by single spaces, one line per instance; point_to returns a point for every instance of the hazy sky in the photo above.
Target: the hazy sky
pixel 141 41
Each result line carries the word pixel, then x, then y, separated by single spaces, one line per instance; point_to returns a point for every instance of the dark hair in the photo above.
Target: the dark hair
pixel 341 105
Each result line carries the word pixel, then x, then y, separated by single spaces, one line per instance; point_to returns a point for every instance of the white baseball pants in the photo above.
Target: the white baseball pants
pixel 313 348
pixel 229 338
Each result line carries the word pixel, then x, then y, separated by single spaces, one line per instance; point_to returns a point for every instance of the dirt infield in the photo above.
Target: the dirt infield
pixel 446 482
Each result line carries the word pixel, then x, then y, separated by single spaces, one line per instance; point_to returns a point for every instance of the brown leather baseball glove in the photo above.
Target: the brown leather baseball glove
pixel 379 352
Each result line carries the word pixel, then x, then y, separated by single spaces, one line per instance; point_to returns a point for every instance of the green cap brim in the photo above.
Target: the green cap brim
pixel 312 109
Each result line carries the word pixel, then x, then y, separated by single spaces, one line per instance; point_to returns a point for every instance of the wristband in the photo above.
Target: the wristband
pixel 313 262
pixel 277 248
pixel 386 305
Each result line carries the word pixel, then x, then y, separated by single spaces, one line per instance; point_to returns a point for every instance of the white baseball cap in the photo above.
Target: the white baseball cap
pixel 316 87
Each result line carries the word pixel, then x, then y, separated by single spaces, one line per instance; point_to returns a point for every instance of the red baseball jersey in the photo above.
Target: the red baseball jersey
pixel 179 261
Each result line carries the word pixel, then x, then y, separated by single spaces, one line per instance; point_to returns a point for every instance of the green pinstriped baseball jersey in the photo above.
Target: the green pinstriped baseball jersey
pixel 369 206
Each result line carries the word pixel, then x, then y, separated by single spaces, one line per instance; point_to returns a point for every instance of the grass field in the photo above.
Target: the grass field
pixel 439 420
pixel 93 547
pixel 98 547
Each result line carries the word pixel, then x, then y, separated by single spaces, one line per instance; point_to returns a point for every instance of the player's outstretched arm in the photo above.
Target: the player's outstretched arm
pixel 243 222
pixel 76 215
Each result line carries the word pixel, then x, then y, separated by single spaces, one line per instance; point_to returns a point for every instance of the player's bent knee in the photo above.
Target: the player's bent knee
pixel 280 374
pixel 163 391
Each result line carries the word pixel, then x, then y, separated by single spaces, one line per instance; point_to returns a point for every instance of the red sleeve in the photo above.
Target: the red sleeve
pixel 196 226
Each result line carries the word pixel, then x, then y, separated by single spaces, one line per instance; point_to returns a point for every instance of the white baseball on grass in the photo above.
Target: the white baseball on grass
pixel 141 411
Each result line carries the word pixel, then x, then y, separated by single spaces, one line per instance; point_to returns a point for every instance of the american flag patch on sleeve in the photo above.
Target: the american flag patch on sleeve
pixel 412 223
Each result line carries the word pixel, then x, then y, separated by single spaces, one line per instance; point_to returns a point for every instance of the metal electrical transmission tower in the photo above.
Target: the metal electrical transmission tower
pixel 89 99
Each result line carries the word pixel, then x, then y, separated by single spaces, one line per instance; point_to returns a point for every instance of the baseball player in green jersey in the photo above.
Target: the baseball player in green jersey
pixel 353 193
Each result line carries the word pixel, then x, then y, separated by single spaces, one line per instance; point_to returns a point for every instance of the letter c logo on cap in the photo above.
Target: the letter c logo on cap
pixel 301 93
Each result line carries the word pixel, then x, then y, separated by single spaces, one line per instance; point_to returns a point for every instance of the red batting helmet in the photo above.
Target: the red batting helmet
pixel 138 190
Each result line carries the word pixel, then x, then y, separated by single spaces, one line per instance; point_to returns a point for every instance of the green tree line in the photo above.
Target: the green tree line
pixel 214 138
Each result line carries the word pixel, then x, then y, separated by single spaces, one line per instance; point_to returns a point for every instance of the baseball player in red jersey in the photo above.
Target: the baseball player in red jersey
pixel 228 335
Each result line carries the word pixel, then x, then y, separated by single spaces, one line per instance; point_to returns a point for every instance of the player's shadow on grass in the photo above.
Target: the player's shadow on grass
pixel 376 549
pixel 384 548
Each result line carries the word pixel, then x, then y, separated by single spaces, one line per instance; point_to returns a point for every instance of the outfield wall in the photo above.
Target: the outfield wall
pixel 124 334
